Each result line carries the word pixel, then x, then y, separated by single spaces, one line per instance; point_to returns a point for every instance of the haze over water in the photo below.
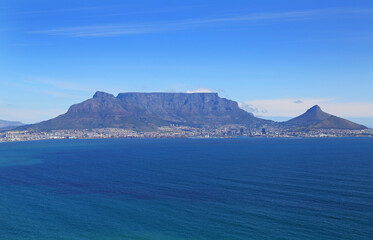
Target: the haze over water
pixel 187 189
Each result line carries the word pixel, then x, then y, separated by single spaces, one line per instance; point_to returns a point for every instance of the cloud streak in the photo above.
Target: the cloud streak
pixel 294 107
pixel 145 28
pixel 27 115
pixel 64 10
pixel 200 90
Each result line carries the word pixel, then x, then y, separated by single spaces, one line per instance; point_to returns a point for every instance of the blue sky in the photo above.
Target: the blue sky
pixel 276 58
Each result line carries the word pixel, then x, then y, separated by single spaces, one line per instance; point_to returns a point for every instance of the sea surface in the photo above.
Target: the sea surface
pixel 174 189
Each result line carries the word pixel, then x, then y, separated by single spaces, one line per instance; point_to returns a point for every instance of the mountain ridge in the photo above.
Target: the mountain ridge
pixel 147 111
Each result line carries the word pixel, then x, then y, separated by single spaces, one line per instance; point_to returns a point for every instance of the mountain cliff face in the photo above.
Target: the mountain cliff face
pixel 317 119
pixel 146 111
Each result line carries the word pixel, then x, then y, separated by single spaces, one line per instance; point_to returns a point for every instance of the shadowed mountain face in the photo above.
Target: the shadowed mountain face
pixel 334 122
pixel 146 111
pixel 317 119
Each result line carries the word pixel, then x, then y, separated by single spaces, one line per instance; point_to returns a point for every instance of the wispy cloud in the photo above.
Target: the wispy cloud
pixel 144 28
pixel 73 87
pixel 27 115
pixel 200 90
pixel 105 31
pixel 29 87
pixel 100 10
pixel 62 85
pixel 294 107
pixel 64 10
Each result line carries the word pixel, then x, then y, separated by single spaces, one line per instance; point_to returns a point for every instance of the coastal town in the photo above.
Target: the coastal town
pixel 172 131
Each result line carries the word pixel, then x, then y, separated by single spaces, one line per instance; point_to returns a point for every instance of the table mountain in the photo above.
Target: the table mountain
pixel 147 111
pixel 317 119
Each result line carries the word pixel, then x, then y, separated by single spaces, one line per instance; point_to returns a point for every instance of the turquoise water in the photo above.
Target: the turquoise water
pixel 187 189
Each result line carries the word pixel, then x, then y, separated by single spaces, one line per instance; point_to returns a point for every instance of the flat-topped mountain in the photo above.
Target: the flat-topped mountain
pixel 146 111
pixel 317 119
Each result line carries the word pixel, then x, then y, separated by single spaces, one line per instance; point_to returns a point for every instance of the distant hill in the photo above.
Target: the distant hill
pixel 315 118
pixel 9 124
pixel 146 111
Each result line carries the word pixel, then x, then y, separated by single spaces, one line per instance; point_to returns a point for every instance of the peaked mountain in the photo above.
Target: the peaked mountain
pixel 146 111
pixel 317 119
pixel 9 124
pixel 311 116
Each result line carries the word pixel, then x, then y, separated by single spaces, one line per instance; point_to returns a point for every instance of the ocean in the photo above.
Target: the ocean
pixel 176 189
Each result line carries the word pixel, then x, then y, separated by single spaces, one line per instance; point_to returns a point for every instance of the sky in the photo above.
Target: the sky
pixel 276 58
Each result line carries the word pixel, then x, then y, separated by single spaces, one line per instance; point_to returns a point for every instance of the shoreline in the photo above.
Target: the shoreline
pixel 179 132
pixel 193 138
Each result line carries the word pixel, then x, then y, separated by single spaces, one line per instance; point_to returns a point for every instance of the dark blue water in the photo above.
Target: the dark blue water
pixel 187 189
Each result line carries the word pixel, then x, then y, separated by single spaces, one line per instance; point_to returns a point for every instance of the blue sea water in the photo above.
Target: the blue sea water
pixel 178 189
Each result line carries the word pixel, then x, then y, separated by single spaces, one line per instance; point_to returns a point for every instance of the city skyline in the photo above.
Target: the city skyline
pixel 275 59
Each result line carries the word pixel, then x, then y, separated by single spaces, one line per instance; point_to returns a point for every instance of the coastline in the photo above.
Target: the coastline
pixel 178 132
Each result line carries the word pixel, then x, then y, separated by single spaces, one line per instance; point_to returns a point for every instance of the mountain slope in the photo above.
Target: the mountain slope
pixel 317 119
pixel 334 122
pixel 311 116
pixel 146 111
